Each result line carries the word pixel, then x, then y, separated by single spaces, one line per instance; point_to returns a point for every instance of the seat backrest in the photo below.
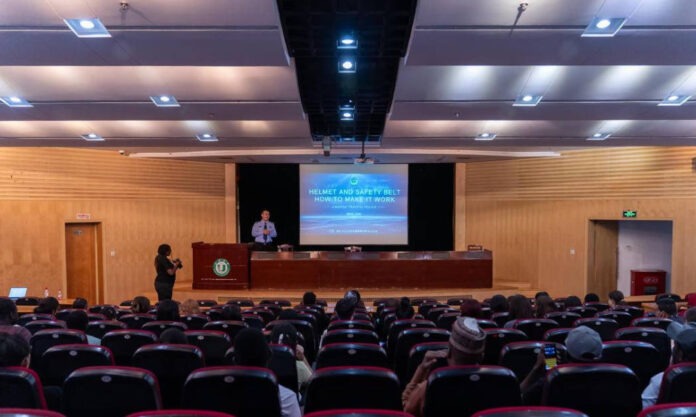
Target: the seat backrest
pixel 195 321
pixel 36 325
pixel 557 335
pixel 563 318
pixel 206 303
pixel 136 321
pixel 351 324
pixel 605 327
pixel 28 412
pixel 214 344
pixel 351 354
pixel 598 306
pixel 398 326
pixel 26 318
pixel 350 336
pixel 99 328
pixel 307 331
pixel 655 336
pixel 415 357
pixel 110 391
pixel 20 387
pixel 242 302
pixel 283 365
pixel 59 361
pixel 598 389
pixel 468 389
pixel 407 340
pixel 124 343
pixel 501 318
pixel 520 357
pixel 242 391
pixel 358 412
pixel 678 384
pixel 530 411
pixel 253 321
pixel 669 410
pixel 643 358
pixel 44 339
pixel 171 364
pixel 535 328
pixel 179 413
pixel 353 387
pixel 487 324
pixel 231 327
pixel 446 320
pixel 276 301
pixel 159 326
pixel 436 312
pixel 27 301
pixel 635 312
pixel 622 317
pixel 584 312
pixel 496 339
pixel 660 323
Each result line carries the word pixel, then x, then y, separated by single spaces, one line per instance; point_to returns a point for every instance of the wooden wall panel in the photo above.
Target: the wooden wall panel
pixel 534 214
pixel 140 204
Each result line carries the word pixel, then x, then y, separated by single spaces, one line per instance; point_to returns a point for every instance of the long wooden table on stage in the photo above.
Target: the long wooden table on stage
pixel 311 270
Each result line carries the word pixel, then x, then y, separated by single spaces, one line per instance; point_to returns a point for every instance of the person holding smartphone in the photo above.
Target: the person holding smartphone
pixel 583 345
pixel 166 272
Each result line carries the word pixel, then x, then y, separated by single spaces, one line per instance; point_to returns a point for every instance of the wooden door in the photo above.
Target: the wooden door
pixel 603 259
pixel 82 261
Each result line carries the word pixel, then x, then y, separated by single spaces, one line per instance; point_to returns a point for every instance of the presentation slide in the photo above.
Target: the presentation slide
pixel 353 204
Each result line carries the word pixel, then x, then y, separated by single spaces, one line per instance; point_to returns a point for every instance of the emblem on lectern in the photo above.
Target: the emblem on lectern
pixel 221 267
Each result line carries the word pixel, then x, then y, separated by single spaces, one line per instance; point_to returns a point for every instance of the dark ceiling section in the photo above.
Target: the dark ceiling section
pixel 312 29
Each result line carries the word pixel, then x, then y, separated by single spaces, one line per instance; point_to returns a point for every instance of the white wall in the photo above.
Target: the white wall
pixel 643 245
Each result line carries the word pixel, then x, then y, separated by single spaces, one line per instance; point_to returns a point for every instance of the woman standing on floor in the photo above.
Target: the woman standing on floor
pixel 166 272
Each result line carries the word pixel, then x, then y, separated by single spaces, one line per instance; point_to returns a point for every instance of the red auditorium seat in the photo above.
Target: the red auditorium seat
pixel 171 364
pixel 180 413
pixel 59 361
pixel 563 318
pixel 520 357
pixel 469 389
pixel 195 321
pixel 353 387
pixel 242 302
pixel 283 365
pixel 436 312
pixel 253 321
pixel 44 339
pixel 277 301
pixel 605 327
pixel 350 336
pixel 623 318
pixel 526 411
pixel 63 314
pixel 635 312
pixel 643 358
pixel 417 301
pixel 33 317
pixel 501 318
pixel 557 335
pixel 99 328
pixel 535 328
pixel 267 315
pixel 243 391
pixel 28 412
pixel 599 390
pixel 407 340
pixel 398 326
pixel 207 303
pixel 214 344
pixel 655 336
pixel 158 326
pixel 496 339
pixel 670 410
pixel 651 322
pixel 231 327
pixel 416 355
pixel 136 321
pixel 110 391
pixel 358 412
pixel 124 343
pixel 352 354
pixel 351 324
pixel 446 320
pixel 307 331
pixel 678 384
pixel 36 325
pixel 584 312
pixel 598 306
pixel 20 387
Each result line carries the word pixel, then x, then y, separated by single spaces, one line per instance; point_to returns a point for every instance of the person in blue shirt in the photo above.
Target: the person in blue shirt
pixel 263 232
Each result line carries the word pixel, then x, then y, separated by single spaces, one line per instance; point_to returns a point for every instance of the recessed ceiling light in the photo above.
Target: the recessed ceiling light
pixel 164 101
pixel 527 100
pixel 604 27
pixel 92 137
pixel 347 41
pixel 347 115
pixel 600 136
pixel 347 65
pixel 485 136
pixel 207 137
pixel 15 101
pixel 88 28
pixel 674 100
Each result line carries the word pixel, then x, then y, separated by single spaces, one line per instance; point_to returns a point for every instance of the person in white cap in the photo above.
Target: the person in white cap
pixel 466 347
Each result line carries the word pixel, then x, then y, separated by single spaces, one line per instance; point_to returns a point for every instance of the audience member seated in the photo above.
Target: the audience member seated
pixel 48 305
pixel 80 303
pixel 356 295
pixel 168 310
pixel 8 320
pixel 544 305
pixel 540 294
pixel 573 301
pixel 286 334
pixel 404 310
pixel 667 309
pixel 690 316
pixel 77 320
pixel 499 304
pixel 231 312
pixel 173 336
pixel 471 308
pixel 466 347
pixel 616 298
pixel 140 305
pixel 344 310
pixel 190 307
pixel 591 298
pixel 109 312
pixel 251 349
pixel 684 336
pixel 520 308
pixel 583 345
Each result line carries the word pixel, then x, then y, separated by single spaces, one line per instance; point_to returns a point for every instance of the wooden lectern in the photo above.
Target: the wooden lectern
pixel 223 266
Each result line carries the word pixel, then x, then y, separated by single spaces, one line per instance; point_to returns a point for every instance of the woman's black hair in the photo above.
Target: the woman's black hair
pixel 284 334
pixel 164 250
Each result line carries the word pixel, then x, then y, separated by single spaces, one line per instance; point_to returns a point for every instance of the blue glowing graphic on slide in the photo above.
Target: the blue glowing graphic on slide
pixel 353 204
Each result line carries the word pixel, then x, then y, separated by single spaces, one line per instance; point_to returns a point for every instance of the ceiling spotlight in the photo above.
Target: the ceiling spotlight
pixel 88 28
pixel 485 136
pixel 15 101
pixel 347 42
pixel 604 27
pixel 92 137
pixel 207 137
pixel 674 100
pixel 347 115
pixel 164 101
pixel 527 100
pixel 347 65
pixel 600 136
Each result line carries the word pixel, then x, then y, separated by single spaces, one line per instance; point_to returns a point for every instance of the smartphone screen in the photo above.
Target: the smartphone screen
pixel 550 356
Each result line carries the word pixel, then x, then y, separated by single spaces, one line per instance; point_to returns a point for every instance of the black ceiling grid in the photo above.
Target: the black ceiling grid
pixel 312 29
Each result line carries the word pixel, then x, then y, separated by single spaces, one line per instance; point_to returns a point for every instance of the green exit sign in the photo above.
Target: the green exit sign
pixel 630 213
